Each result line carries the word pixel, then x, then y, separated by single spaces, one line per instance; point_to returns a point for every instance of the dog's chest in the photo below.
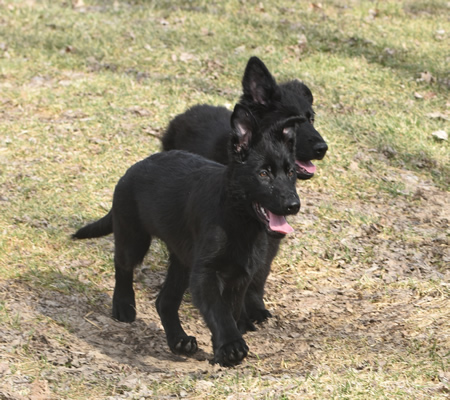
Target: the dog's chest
pixel 240 262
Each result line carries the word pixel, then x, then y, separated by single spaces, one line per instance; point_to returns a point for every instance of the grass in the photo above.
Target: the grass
pixel 359 294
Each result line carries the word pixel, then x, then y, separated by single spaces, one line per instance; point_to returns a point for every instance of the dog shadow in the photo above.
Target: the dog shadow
pixel 84 313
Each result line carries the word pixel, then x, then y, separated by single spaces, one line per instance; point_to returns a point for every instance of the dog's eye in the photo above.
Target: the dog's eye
pixel 311 120
pixel 263 174
pixel 290 173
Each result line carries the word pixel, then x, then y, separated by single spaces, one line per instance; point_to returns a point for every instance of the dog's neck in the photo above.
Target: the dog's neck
pixel 237 205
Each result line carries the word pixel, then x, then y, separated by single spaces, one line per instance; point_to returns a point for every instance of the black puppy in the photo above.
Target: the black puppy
pixel 215 221
pixel 204 129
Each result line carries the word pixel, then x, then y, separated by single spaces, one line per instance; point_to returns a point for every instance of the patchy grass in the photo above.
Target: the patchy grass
pixel 360 294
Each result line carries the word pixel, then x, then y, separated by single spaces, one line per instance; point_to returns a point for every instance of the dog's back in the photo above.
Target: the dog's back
pixel 168 195
pixel 202 129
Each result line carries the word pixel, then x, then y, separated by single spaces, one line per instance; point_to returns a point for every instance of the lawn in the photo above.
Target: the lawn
pixel 360 293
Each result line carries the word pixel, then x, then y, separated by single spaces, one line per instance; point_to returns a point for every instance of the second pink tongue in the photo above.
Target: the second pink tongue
pixel 308 166
pixel 278 223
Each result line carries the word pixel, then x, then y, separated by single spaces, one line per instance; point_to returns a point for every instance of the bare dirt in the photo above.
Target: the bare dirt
pixel 345 302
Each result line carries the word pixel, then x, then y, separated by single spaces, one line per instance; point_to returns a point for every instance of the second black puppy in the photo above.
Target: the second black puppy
pixel 214 220
pixel 203 129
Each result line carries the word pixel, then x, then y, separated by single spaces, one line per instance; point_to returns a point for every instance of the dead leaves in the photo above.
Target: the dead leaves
pixel 316 6
pixel 184 57
pixel 439 115
pixel 426 77
pixel 440 35
pixel 440 135
pixel 426 96
pixel 139 111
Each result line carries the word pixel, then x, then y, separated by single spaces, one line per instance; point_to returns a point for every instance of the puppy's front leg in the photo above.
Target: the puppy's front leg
pixel 217 302
pixel 168 303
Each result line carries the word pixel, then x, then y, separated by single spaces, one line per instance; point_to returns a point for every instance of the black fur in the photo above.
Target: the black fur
pixel 213 219
pixel 204 130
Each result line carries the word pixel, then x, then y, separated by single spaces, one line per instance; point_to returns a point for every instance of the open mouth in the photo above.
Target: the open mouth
pixel 304 169
pixel 273 222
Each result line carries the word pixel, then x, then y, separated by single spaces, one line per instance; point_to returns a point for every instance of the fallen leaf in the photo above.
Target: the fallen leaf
pixel 77 3
pixel 68 49
pixel 316 6
pixel 156 132
pixel 440 34
pixel 438 115
pixel 185 57
pixel 373 13
pixel 440 135
pixel 429 95
pixel 142 112
pixel 426 77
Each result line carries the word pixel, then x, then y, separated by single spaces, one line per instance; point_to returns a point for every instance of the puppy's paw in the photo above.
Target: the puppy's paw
pixel 245 325
pixel 124 310
pixel 185 345
pixel 259 315
pixel 231 354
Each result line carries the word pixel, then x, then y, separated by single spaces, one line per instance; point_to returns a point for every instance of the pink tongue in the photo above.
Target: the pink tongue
pixel 308 166
pixel 278 223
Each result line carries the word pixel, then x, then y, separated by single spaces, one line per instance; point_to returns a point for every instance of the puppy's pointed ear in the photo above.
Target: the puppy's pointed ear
pixel 258 85
pixel 243 127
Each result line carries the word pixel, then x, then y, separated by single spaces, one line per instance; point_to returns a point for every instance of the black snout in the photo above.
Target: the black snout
pixel 293 206
pixel 319 150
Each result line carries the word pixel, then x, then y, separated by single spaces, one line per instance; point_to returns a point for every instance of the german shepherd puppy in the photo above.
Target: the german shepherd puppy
pixel 204 130
pixel 215 221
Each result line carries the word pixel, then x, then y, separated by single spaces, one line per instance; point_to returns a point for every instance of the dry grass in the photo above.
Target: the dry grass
pixel 360 294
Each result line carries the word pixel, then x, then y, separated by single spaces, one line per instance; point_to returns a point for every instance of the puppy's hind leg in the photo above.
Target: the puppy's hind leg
pixel 254 304
pixel 130 250
pixel 168 303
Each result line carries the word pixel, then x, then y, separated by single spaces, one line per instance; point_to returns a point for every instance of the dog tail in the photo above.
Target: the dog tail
pixel 102 227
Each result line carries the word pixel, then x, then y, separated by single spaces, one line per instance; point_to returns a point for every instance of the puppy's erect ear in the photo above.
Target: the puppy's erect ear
pixel 243 125
pixel 258 85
